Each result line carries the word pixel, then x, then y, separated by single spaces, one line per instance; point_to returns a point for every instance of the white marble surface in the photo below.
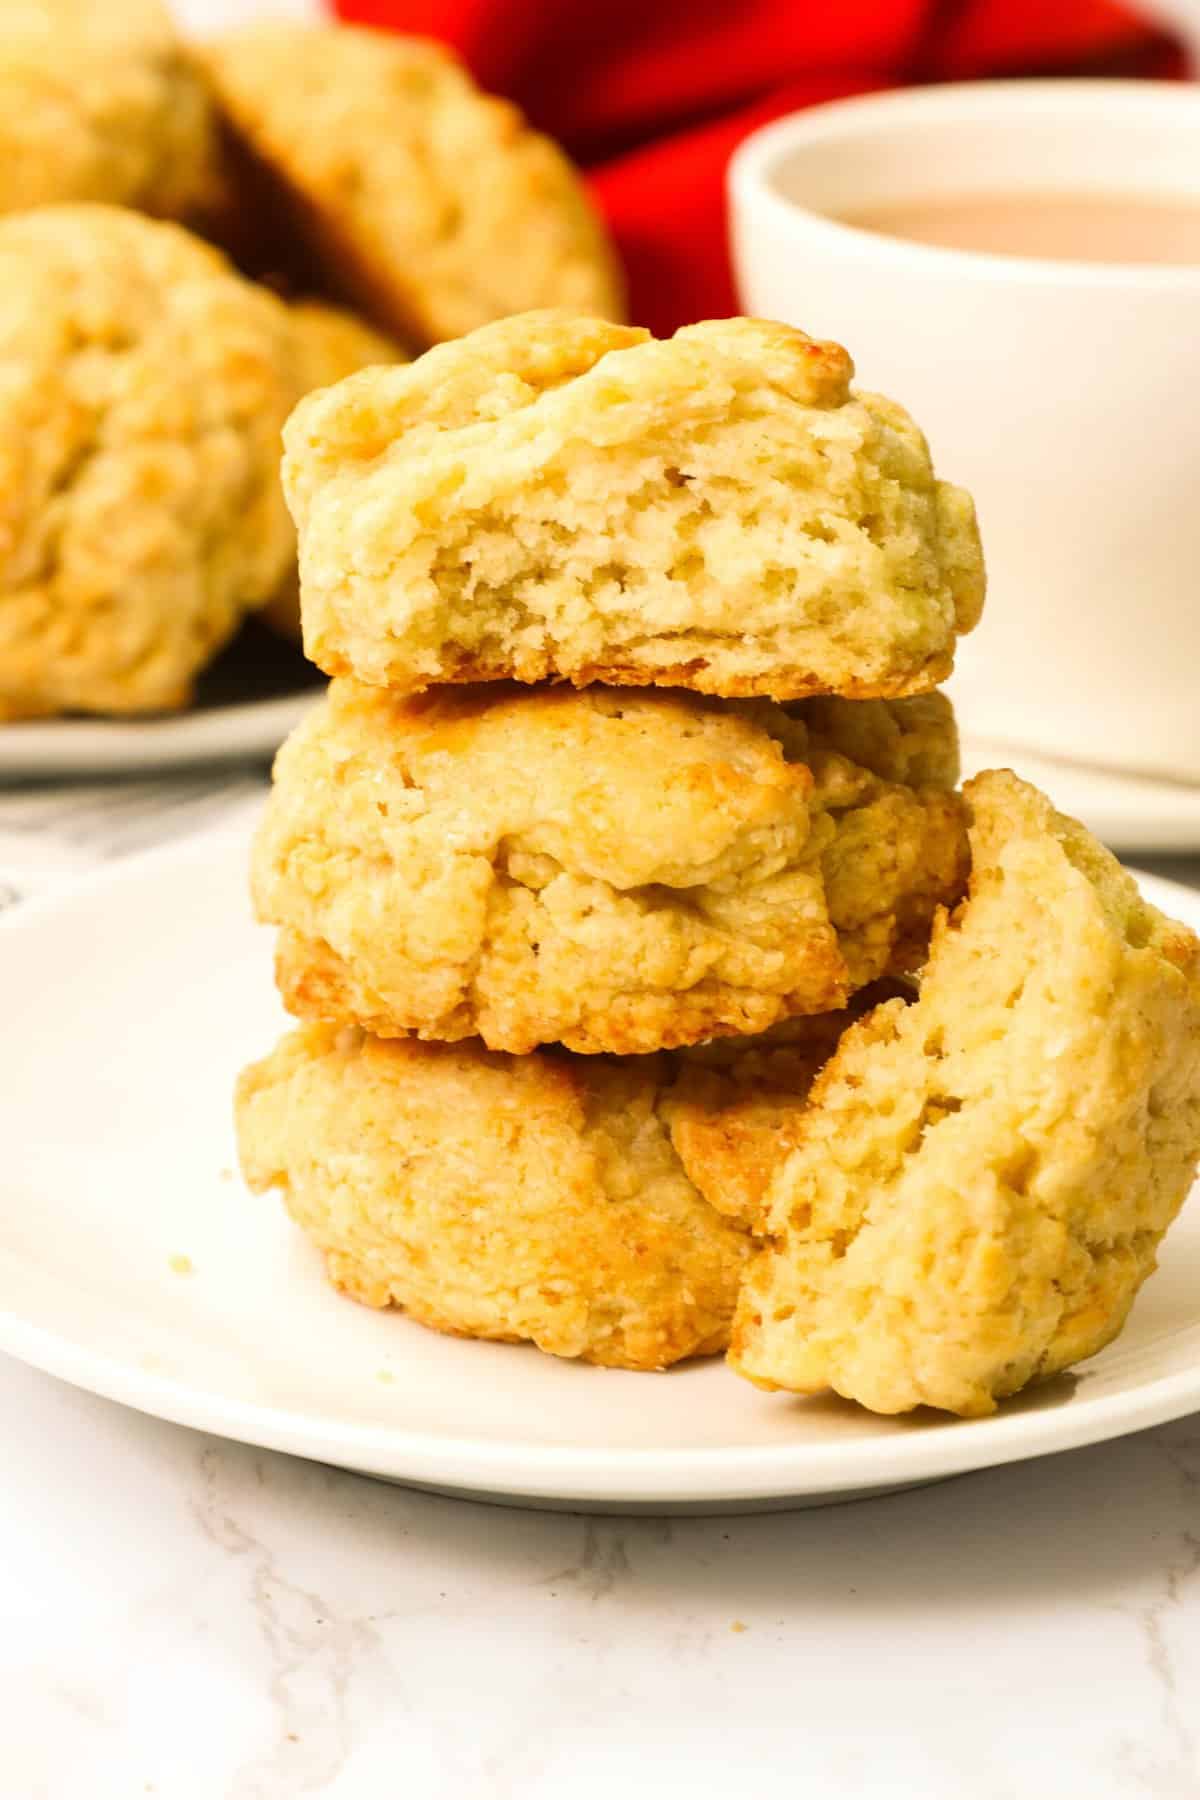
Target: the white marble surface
pixel 192 1620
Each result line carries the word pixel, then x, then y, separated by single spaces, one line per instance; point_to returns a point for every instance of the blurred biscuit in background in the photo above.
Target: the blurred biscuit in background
pixel 143 385
pixel 100 102
pixel 369 167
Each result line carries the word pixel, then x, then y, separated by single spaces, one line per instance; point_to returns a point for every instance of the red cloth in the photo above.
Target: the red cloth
pixel 650 96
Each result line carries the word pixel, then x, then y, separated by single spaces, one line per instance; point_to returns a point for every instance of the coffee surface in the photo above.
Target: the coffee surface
pixel 1111 228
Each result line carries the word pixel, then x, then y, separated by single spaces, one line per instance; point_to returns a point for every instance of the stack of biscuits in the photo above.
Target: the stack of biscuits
pixel 661 994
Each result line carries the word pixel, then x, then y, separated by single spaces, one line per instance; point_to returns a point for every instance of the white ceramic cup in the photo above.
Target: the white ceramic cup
pixel 1064 395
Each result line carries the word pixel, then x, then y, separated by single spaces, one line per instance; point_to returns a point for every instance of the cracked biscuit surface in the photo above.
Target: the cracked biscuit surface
pixel 739 1103
pixel 555 496
pixel 143 386
pixel 427 204
pixel 538 1197
pixel 99 102
pixel 616 871
pixel 980 1181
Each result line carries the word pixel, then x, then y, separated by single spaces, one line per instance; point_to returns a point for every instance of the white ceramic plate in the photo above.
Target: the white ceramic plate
pixel 1133 813
pixel 246 704
pixel 128 1005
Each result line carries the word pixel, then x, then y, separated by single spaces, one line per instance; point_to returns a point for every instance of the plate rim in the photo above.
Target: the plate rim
pixel 634 1474
pixel 241 731
pixel 934 1451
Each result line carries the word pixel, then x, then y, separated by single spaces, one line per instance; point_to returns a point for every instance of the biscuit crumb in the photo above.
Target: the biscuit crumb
pixel 738 1626
pixel 984 1176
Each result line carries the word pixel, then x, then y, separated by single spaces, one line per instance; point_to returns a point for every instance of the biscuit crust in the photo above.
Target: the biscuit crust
pixel 100 103
pixel 557 497
pixel 980 1182
pixel 427 204
pixel 515 1198
pixel 737 1105
pixel 144 387
pixel 613 871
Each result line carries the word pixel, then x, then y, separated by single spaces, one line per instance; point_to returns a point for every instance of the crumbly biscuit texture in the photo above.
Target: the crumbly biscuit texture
pixel 535 1198
pixel 429 205
pixel 982 1179
pixel 143 386
pixel 99 102
pixel 556 496
pixel 610 870
pixel 737 1105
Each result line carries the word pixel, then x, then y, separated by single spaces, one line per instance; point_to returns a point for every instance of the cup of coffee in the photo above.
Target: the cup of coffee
pixel 1018 263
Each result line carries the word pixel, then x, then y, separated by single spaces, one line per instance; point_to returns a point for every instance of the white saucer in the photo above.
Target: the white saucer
pixel 129 1004
pixel 1131 813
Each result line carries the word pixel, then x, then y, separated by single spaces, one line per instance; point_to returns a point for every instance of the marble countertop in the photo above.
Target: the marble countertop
pixel 190 1619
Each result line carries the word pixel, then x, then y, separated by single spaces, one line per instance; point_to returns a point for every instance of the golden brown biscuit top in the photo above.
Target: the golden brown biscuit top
pixel 568 367
pixel 632 788
pixel 613 870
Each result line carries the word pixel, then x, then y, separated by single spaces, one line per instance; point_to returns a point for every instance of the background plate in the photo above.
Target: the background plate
pixel 245 705
pixel 129 1004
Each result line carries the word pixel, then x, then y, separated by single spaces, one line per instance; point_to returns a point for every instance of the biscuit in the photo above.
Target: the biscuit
pixel 330 344
pixel 737 1105
pixel 143 386
pixel 559 497
pixel 333 343
pixel 428 205
pixel 99 103
pixel 611 870
pixel 536 1197
pixel 981 1180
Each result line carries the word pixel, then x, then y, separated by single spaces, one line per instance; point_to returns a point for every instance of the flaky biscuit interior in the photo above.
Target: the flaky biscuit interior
pixel 558 496
pixel 981 1180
